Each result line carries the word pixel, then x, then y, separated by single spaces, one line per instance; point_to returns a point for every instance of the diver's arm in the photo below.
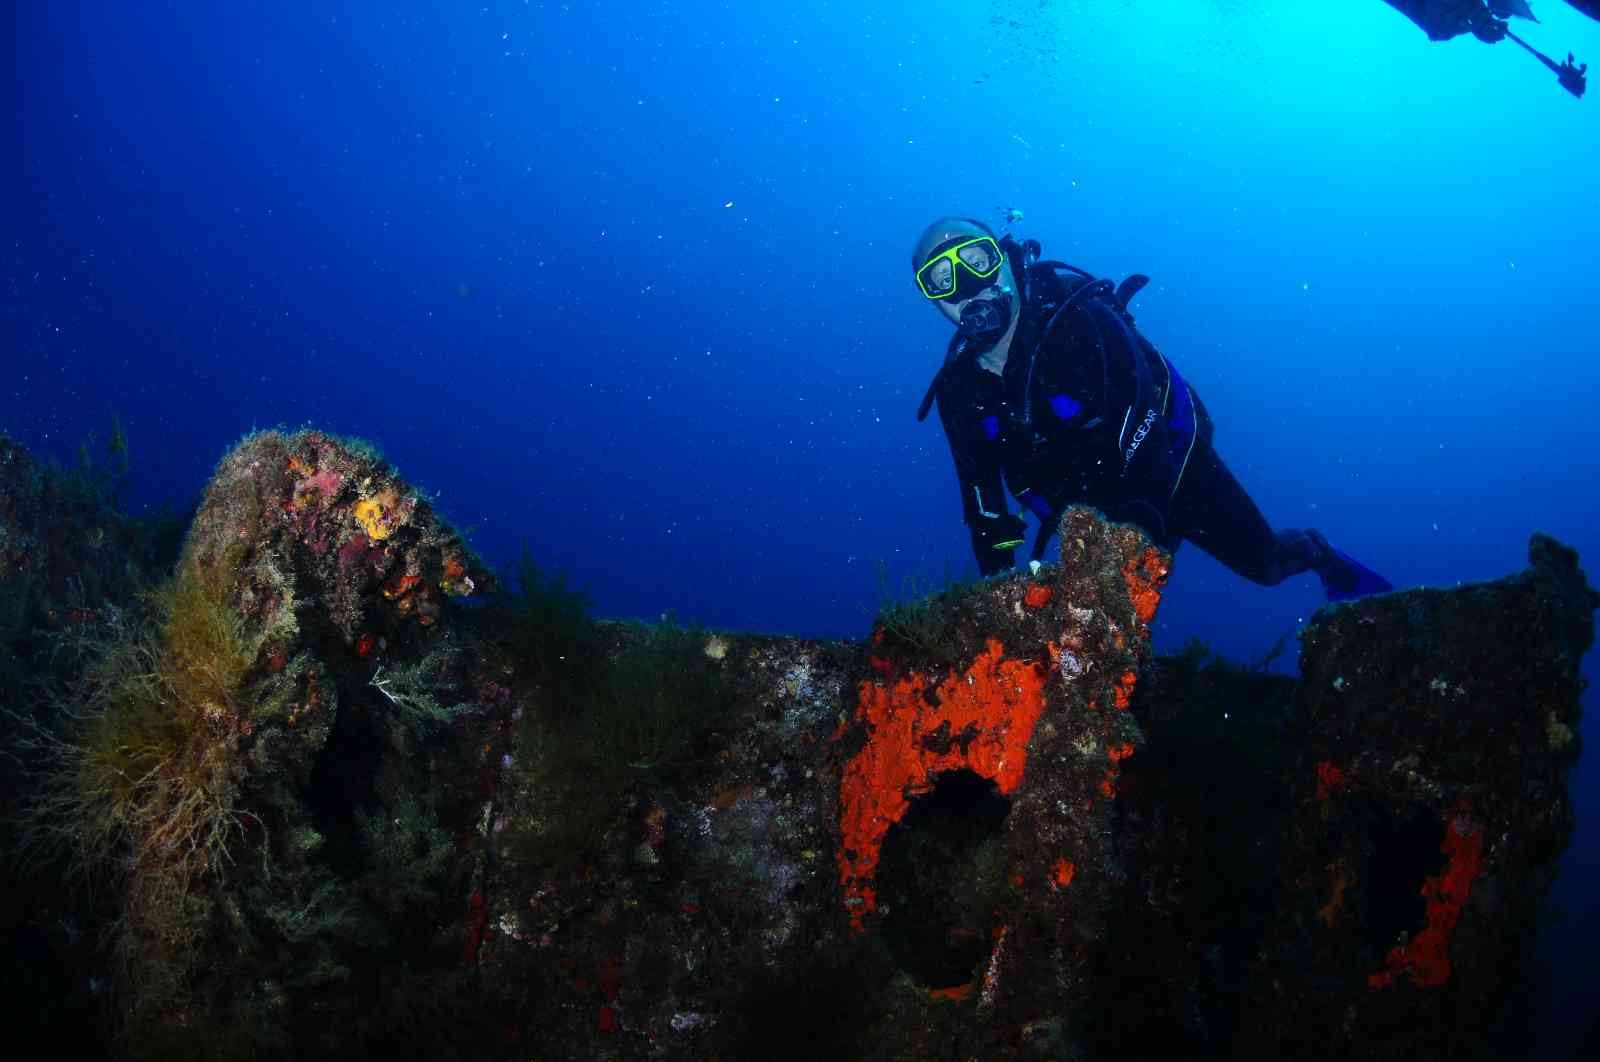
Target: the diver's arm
pixel 995 531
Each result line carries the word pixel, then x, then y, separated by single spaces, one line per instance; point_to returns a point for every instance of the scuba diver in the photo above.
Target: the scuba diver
pixel 1488 20
pixel 1048 389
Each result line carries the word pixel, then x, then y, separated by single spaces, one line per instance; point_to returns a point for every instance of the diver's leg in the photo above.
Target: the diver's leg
pixel 1213 511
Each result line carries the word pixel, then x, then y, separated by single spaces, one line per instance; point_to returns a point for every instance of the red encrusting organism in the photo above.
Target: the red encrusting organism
pixel 952 995
pixel 477 924
pixel 1427 957
pixel 1330 779
pixel 990 710
pixel 1116 754
pixel 1124 688
pixel 1146 575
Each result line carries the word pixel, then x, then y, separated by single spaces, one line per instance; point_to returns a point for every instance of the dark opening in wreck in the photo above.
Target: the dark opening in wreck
pixel 939 875
pixel 1403 852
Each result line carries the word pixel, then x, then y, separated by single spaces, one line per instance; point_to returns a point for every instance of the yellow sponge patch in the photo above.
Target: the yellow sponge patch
pixel 373 515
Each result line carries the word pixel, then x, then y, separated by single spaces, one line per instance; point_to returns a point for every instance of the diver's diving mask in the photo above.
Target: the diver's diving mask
pixel 959 268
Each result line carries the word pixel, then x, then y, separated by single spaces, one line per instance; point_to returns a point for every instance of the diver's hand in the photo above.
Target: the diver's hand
pixel 993 539
pixel 1006 531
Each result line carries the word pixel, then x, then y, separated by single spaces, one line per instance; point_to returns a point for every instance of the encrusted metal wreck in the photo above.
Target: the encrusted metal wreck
pixel 999 827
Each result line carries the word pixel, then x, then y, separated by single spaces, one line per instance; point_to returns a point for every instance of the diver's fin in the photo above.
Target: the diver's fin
pixel 1343 578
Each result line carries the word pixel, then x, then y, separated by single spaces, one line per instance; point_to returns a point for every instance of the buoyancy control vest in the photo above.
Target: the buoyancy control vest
pixel 1153 421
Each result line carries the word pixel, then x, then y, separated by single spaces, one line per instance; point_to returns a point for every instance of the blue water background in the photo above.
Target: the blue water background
pixel 628 282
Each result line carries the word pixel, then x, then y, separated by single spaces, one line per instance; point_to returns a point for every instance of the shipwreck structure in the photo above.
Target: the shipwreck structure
pixel 459 822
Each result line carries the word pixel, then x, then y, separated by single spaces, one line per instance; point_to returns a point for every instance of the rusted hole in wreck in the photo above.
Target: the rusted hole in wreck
pixel 941 868
pixel 1403 852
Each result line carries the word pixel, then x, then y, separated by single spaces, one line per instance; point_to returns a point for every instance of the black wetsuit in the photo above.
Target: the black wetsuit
pixel 1088 411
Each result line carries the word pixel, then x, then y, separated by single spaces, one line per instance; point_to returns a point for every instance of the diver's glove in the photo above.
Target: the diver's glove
pixel 993 539
pixel 1343 577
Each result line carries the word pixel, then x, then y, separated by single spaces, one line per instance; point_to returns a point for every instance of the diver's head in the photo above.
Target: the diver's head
pixel 960 267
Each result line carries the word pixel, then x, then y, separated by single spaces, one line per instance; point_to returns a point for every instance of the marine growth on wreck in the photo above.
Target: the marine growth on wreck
pixel 321 781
